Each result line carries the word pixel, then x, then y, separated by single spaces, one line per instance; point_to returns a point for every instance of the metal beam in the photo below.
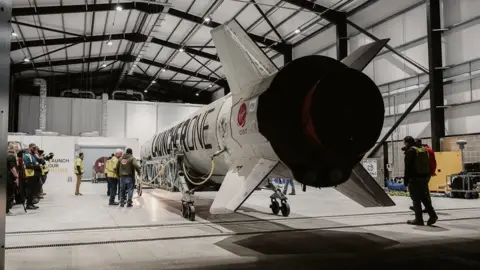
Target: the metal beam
pixel 151 8
pixel 16 68
pixel 46 28
pixel 267 20
pixel 199 20
pixel 215 80
pixel 330 15
pixel 437 111
pixel 399 121
pixel 342 37
pixel 133 37
pixel 5 36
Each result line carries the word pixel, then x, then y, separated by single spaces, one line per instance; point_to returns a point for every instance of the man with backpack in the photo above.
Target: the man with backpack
pixel 432 162
pixel 417 176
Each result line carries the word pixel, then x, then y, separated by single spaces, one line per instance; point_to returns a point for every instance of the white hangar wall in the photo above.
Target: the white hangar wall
pixel 125 119
pixel 404 22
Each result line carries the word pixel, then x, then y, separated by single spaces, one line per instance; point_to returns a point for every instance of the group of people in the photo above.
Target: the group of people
pixel 27 172
pixel 420 166
pixel 120 169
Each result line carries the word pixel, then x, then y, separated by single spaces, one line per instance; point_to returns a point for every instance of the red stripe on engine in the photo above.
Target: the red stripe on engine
pixel 307 120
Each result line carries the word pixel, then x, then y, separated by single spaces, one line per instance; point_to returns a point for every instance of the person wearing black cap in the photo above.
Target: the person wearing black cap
pixel 417 175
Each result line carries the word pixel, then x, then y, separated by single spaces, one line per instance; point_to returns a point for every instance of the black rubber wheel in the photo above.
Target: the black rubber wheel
pixel 191 214
pixel 475 195
pixel 275 207
pixel 285 208
pixel 184 210
pixel 468 195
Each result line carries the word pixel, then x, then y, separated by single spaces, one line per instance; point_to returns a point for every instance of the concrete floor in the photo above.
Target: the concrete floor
pixel 325 229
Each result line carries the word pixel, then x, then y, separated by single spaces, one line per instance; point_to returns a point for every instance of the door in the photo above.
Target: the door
pixel 91 154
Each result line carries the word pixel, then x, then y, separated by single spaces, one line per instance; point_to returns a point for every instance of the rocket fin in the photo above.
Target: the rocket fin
pixel 363 189
pixel 361 57
pixel 243 177
pixel 243 62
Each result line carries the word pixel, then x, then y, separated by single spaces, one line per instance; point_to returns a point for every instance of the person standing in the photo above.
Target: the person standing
pixel 417 175
pixel 126 167
pixel 79 170
pixel 12 176
pixel 113 176
pixel 108 169
pixel 432 162
pixel 31 172
pixel 289 181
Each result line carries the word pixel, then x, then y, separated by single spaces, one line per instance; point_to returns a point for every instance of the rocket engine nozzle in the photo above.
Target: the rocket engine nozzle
pixel 321 117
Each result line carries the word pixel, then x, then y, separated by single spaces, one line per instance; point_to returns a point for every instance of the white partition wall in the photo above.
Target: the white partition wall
pixel 125 119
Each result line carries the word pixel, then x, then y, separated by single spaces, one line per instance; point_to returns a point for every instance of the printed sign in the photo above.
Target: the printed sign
pixel 242 115
pixel 371 166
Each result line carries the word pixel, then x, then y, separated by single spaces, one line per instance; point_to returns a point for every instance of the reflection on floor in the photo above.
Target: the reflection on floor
pixel 325 230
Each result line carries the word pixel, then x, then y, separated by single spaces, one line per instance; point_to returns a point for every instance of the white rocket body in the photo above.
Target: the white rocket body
pixel 304 121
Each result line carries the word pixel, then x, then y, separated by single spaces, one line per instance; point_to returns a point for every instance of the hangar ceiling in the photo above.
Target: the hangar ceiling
pixel 160 48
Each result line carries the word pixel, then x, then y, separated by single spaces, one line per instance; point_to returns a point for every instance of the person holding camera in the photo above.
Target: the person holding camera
pixel 32 173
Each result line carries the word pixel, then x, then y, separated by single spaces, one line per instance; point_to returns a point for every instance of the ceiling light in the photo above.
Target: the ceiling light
pixel 297 31
pixel 145 91
pixel 14 34
pixel 104 65
pixel 182 49
pixel 197 94
pixel 207 19
pixel 154 81
pixel 163 70
pixel 110 43
pixel 210 86
pixel 119 8
pixel 26 60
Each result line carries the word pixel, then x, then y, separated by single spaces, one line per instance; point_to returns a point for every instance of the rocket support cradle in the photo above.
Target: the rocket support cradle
pixel 313 120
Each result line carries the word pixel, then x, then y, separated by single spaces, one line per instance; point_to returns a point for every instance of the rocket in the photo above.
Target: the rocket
pixel 313 120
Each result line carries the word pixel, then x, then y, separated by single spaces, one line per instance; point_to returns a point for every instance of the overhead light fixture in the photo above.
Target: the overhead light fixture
pixel 182 49
pixel 210 86
pixel 207 19
pixel 119 8
pixel 163 70
pixel 297 31
pixel 145 91
pixel 26 60
pixel 109 43
pixel 154 81
pixel 197 94
pixel 104 65
pixel 14 34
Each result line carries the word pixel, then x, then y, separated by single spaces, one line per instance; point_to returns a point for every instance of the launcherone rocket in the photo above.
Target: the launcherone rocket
pixel 312 120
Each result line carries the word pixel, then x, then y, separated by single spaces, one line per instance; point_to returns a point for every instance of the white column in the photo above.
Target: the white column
pixel 104 114
pixel 42 84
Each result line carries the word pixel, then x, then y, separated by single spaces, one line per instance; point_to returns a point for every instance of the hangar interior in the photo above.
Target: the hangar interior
pixel 95 76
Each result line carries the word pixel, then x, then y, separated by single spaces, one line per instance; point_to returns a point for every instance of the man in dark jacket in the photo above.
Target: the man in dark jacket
pixel 126 167
pixel 432 162
pixel 417 175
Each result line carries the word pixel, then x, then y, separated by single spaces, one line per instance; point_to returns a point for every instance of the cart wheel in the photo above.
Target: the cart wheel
pixel 191 214
pixel 275 206
pixel 184 210
pixel 468 195
pixel 475 195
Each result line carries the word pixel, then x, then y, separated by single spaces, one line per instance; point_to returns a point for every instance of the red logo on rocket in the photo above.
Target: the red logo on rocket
pixel 242 115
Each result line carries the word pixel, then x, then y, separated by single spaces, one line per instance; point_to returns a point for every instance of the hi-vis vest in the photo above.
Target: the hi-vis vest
pixel 110 167
pixel 78 162
pixel 29 172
